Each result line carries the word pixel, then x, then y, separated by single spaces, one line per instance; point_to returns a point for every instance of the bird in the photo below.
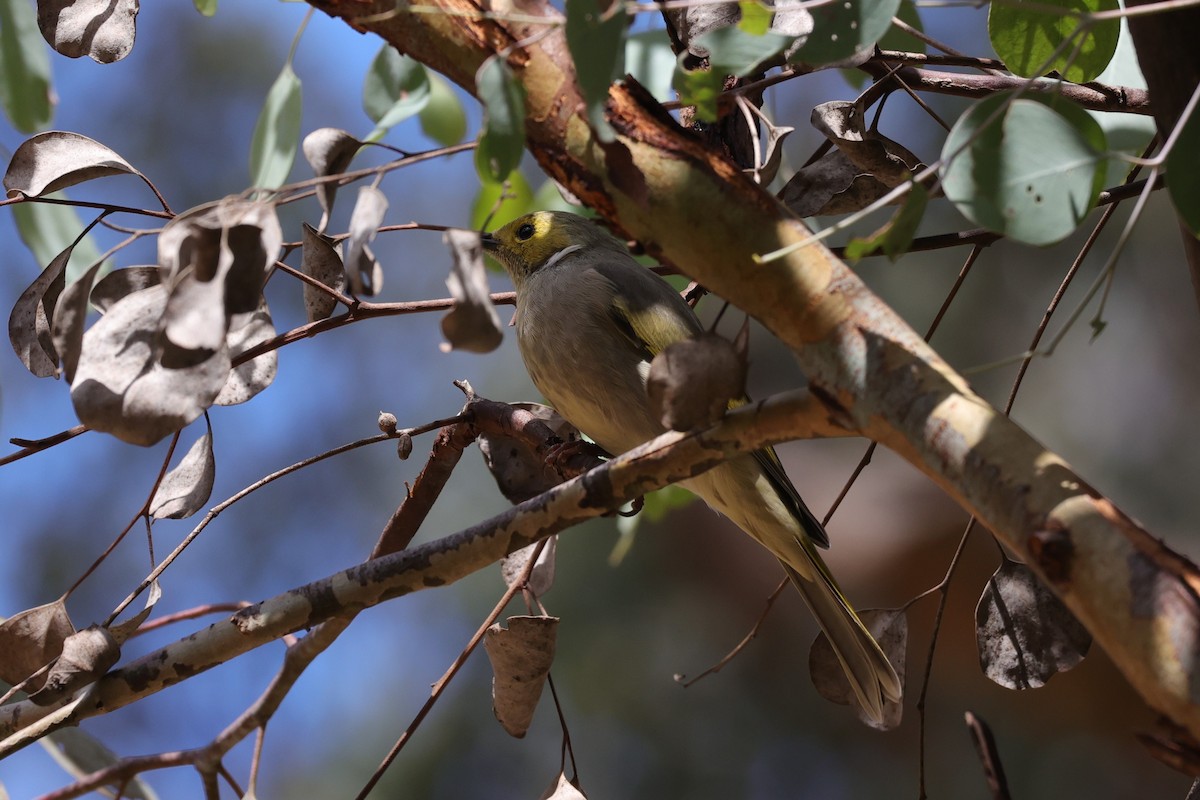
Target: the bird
pixel 589 321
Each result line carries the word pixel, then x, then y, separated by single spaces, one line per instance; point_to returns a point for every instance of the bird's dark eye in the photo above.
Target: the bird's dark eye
pixel 525 232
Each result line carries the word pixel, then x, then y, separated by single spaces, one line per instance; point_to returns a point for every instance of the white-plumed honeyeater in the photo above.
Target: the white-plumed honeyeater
pixel 589 321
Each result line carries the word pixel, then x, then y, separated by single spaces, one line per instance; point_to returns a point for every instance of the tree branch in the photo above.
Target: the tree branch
pixel 659 185
pixel 667 459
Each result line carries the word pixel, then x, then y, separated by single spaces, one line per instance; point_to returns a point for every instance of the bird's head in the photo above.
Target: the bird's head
pixel 535 241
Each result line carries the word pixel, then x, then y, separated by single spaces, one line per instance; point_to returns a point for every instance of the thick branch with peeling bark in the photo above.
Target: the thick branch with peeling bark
pixel 659 185
pixel 671 457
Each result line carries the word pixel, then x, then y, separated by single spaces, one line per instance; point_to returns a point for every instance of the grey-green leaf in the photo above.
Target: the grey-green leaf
pixel 396 87
pixel 649 59
pixel 277 133
pixel 845 30
pixel 1025 167
pixel 24 69
pixel 595 37
pixel 502 139
pixel 443 118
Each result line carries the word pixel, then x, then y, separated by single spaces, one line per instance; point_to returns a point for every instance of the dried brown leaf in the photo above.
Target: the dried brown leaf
pixel 85 657
pixel 246 380
pixel 186 488
pixel 55 160
pixel 29 322
pixel 32 639
pixel 366 276
pixel 120 282
pixel 873 153
pixel 70 315
pixel 889 626
pixel 520 471
pixel 513 565
pixel 692 382
pixel 135 386
pixel 521 656
pixel 329 151
pixel 216 258
pixel 103 30
pixel 1024 632
pixel 321 260
pixel 472 324
pixel 126 629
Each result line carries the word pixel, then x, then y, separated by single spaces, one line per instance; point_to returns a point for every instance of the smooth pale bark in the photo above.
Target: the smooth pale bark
pixel 692 209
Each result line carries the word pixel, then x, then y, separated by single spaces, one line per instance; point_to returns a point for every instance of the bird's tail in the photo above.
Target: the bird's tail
pixel 868 670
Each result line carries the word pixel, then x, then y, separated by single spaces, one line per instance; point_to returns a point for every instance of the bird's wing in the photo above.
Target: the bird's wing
pixel 646 309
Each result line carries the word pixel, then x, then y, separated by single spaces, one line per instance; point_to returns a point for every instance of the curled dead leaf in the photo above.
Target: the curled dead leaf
pixel 521 656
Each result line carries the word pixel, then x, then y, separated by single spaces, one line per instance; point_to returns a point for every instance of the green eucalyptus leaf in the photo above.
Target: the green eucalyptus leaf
pixel 518 200
pixel 650 61
pixel 443 118
pixel 844 29
pixel 24 68
pixel 1032 39
pixel 502 140
pixel 396 88
pixel 895 39
pixel 277 133
pixel 756 17
pixel 596 39
pixel 1028 167
pixel 895 237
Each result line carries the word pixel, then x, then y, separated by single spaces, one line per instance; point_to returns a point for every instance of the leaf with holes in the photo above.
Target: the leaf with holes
pixel 120 282
pixel 135 389
pixel 216 258
pixel 1024 633
pixel 1027 167
pixel 845 30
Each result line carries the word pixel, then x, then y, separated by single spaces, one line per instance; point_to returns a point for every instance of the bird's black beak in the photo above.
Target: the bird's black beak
pixel 488 241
